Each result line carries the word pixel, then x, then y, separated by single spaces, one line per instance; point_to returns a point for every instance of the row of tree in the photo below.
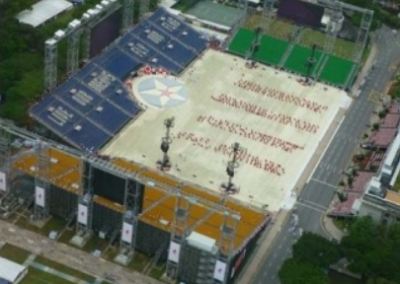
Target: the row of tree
pixel 373 251
pixel 381 14
pixel 21 60
pixel 22 55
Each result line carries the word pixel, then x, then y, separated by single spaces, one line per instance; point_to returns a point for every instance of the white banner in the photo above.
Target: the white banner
pixel 219 271
pixel 82 214
pixel 238 263
pixel 39 196
pixel 3 181
pixel 127 232
pixel 174 252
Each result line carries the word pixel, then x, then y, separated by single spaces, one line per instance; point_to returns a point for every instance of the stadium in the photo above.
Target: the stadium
pixel 112 113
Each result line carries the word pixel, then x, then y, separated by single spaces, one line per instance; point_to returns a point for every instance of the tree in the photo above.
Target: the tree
pixel 316 250
pixel 368 249
pixel 294 271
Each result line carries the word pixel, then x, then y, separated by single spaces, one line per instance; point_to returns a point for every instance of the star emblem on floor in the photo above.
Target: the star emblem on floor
pixel 162 92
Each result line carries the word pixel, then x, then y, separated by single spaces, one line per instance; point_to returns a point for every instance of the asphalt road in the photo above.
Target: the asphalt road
pixel 318 193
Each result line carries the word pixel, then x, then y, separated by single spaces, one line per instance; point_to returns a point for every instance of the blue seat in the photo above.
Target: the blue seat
pixel 79 97
pixel 41 105
pixel 85 71
pixel 161 61
pixel 59 117
pixel 86 135
pixel 120 64
pixel 179 53
pixel 109 117
pixel 123 99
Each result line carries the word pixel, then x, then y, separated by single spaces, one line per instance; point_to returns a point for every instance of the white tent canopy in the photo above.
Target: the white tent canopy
pixel 10 271
pixel 43 11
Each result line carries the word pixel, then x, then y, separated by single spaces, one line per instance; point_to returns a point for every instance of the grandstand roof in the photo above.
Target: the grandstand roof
pixel 43 11
pixel 66 172
pixel 218 113
pixel 94 104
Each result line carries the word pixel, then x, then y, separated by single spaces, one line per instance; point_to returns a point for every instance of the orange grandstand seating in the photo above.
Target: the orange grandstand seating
pixel 107 203
pixel 126 165
pixel 64 169
pixel 65 172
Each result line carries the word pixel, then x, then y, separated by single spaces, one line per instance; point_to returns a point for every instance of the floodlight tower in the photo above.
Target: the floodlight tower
pixel 165 163
pixel 311 62
pixel 229 187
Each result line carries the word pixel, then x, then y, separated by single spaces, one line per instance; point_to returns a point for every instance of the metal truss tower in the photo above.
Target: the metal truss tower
pixel 179 231
pixel 335 12
pixel 86 38
pixel 127 16
pixel 144 7
pixel 5 140
pixel 362 35
pixel 243 6
pixel 42 185
pixel 85 203
pixel 50 64
pixel 226 243
pixel 73 51
pixel 130 220
pixel 268 14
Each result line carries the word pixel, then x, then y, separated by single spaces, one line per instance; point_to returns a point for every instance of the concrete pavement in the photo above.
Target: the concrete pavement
pixel 69 256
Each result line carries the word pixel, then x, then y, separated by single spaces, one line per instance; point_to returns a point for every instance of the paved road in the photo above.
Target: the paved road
pixel 69 256
pixel 319 191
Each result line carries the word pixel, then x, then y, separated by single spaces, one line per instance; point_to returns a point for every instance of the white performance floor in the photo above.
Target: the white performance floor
pixel 218 101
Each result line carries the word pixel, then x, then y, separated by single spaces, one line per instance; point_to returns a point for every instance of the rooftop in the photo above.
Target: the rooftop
pixel 278 121
pixel 43 11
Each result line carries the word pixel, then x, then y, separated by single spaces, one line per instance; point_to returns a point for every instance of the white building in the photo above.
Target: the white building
pixel 378 201
pixel 10 271
pixel 43 11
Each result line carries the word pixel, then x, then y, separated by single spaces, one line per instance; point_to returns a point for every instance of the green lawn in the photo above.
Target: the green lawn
pixel 396 186
pixel 36 276
pixel 298 58
pixel 242 42
pixel 139 262
pixel 54 224
pixel 271 50
pixel 158 271
pixel 14 253
pixel 95 243
pixel 65 269
pixel 342 48
pixel 336 70
pixel 67 236
pixel 278 28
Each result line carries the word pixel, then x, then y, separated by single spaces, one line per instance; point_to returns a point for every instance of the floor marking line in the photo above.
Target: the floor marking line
pixel 324 183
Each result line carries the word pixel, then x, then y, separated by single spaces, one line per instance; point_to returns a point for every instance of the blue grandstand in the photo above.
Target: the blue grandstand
pixel 93 105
